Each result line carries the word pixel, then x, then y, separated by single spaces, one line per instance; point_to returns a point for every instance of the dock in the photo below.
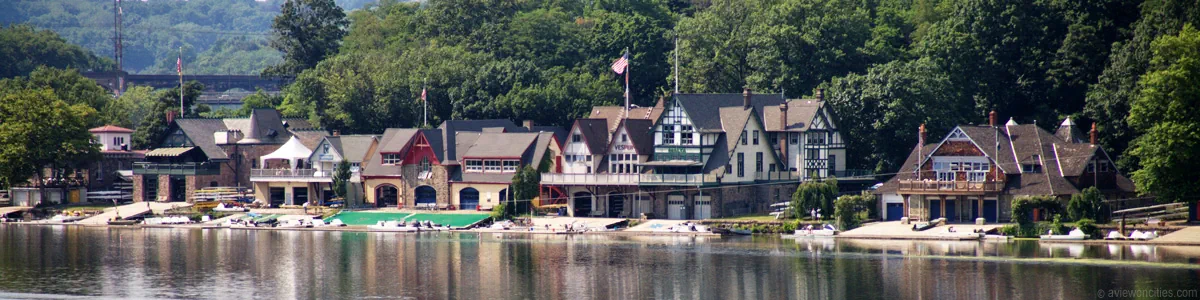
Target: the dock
pixel 130 210
pixel 896 230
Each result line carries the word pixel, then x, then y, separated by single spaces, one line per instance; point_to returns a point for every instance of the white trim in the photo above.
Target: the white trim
pixel 1008 132
pixel 947 137
pixel 1058 159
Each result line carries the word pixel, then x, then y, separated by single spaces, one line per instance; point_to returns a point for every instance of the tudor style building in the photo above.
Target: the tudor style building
pixel 975 171
pixel 703 155
pixel 462 164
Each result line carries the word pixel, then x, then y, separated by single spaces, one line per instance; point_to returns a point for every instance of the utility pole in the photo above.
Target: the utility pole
pixel 118 20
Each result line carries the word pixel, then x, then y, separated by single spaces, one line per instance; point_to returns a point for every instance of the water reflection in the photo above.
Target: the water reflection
pixel 193 263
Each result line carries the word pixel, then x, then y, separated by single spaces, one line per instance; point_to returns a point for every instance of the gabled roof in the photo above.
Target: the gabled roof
pixel 801 113
pixel 906 169
pixel 641 135
pixel 434 137
pixel 450 127
pixel 733 122
pixel 110 129
pixel 705 109
pixel 262 121
pixel 352 148
pixel 1074 157
pixel 614 114
pixel 560 133
pixel 496 145
pixel 540 146
pixel 595 134
pixel 393 141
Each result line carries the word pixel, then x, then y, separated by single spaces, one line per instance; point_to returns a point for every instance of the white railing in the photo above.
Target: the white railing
pixel 777 176
pixel 596 179
pixel 289 173
pixel 677 178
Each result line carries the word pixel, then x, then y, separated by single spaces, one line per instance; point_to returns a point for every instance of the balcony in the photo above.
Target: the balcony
pixel 677 179
pixel 290 175
pixel 938 187
pixel 143 168
pixel 590 179
pixel 854 173
pixel 777 176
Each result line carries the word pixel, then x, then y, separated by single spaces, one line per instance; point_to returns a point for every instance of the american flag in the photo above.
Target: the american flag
pixel 621 63
pixel 422 94
pixel 179 66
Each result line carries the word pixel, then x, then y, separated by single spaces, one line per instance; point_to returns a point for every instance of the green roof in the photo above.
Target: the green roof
pixel 370 218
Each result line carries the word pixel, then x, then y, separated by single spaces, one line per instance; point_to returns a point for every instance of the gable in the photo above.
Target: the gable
pixel 420 149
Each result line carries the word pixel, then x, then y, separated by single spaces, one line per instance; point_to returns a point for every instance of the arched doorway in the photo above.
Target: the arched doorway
pixel 616 204
pixel 468 199
pixel 583 204
pixel 386 195
pixel 426 195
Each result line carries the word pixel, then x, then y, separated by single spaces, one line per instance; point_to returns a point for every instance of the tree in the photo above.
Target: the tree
pixel 524 187
pixel 23 49
pixel 1165 114
pixel 1088 204
pixel 39 130
pixel 341 177
pixel 306 31
pixel 154 125
pixel 814 195
pixel 67 85
pixel 851 210
pixel 129 109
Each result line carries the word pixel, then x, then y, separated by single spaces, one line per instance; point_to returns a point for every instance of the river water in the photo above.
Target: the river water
pixel 62 261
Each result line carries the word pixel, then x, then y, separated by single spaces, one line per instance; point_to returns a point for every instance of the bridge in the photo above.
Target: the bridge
pixel 212 83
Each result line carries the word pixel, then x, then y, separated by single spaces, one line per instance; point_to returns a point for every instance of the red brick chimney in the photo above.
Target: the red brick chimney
pixel 746 97
pixel 922 131
pixel 170 117
pixel 820 95
pixel 783 133
pixel 336 133
pixel 1093 134
pixel 992 118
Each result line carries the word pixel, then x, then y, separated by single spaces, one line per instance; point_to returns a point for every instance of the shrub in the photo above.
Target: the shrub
pixel 499 212
pixel 850 210
pixel 1023 206
pixel 1057 226
pixel 1088 204
pixel 1009 230
pixel 1089 227
pixel 814 195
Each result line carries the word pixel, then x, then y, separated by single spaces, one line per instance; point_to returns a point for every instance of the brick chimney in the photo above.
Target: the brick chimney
pixel 820 94
pixel 992 118
pixel 170 117
pixel 746 97
pixel 922 131
pixel 1093 134
pixel 783 133
pixel 336 132
pixel 528 124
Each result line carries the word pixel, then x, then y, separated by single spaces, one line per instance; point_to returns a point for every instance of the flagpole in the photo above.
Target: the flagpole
pixel 676 62
pixel 425 103
pixel 181 81
pixel 627 96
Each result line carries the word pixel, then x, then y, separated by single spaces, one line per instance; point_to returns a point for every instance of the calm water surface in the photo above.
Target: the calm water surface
pixel 57 261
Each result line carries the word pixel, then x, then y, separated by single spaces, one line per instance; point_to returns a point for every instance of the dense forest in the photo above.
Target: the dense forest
pixel 217 36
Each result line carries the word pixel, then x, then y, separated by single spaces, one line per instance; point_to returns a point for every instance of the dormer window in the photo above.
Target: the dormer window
pixel 391 159
pixel 1030 168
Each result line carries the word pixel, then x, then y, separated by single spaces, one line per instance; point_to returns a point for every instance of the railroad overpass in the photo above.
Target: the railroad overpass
pixel 212 83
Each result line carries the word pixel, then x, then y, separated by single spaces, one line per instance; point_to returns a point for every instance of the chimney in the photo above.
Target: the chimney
pixel 992 118
pixel 1093 134
pixel 783 134
pixel 528 124
pixel 820 94
pixel 922 130
pixel 746 97
pixel 170 117
pixel 336 132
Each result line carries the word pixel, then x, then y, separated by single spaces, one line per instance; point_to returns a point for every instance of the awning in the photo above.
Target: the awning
pixel 672 163
pixel 169 152
pixel 292 151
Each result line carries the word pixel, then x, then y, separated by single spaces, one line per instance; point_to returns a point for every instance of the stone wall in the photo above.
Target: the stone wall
pixel 439 180
pixel 137 188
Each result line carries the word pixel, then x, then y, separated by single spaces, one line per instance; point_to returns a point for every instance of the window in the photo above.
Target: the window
pixel 741 165
pixel 253 163
pixel 1031 168
pixel 686 136
pixel 1103 166
pixel 391 159
pixel 491 165
pixel 511 165
pixel 816 138
pixel 326 149
pixel 668 134
pixel 474 165
pixel 728 168
pixel 575 138
pixel 758 162
pixel 756 137
pixel 743 137
pixel 426 166
pixel 589 157
pixel 812 153
pixel 795 138
pixel 772 167
pixel 355 167
pixel 624 138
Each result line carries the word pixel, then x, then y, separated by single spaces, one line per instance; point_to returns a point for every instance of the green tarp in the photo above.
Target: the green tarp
pixel 370 218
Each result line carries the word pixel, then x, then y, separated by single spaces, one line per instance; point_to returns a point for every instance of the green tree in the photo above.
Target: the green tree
pixel 852 210
pixel 524 188
pixel 39 130
pixel 1088 204
pixel 814 195
pixel 341 177
pixel 67 85
pixel 1164 112
pixel 154 125
pixel 129 109
pixel 23 49
pixel 306 31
